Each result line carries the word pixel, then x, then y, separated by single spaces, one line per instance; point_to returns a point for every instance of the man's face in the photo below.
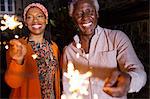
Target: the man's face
pixel 85 17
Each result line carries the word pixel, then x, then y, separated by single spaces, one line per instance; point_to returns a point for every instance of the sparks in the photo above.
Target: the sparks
pixel 6 46
pixel 34 56
pixel 16 36
pixel 78 45
pixel 10 22
pixel 78 82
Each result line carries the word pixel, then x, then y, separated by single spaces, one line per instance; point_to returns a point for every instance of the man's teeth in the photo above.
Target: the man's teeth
pixel 36 26
pixel 88 24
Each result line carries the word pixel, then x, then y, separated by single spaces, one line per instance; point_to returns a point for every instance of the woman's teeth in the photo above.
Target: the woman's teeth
pixel 87 24
pixel 36 26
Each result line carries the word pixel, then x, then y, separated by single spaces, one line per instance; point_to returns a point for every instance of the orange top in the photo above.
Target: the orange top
pixel 24 79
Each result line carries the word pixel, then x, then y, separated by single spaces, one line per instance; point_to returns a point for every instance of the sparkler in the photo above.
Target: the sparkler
pixel 78 45
pixel 78 82
pixel 10 22
pixel 34 56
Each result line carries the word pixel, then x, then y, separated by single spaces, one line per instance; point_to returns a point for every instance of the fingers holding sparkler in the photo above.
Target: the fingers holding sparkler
pixel 10 23
pixel 17 50
pixel 117 84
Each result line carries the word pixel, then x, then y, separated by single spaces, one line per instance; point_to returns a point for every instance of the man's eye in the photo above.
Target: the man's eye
pixel 89 12
pixel 92 11
pixel 79 14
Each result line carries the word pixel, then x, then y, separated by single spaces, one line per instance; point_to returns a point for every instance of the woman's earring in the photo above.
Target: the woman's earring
pixel 46 21
pixel 78 29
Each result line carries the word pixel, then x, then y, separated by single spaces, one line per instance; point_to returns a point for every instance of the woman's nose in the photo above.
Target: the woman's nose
pixel 35 19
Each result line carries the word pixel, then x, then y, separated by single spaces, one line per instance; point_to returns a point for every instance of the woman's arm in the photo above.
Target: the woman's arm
pixel 14 74
pixel 15 57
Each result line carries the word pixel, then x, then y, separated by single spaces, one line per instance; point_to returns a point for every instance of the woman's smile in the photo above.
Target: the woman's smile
pixel 36 26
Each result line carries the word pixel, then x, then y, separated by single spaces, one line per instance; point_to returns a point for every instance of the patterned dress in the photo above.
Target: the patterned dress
pixel 47 65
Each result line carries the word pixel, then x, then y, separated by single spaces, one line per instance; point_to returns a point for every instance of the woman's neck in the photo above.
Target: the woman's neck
pixel 36 38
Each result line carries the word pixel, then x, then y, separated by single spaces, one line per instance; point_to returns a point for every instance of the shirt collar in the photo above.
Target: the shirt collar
pixel 98 31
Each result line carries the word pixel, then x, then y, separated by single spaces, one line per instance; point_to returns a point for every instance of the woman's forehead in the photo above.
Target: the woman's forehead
pixel 35 10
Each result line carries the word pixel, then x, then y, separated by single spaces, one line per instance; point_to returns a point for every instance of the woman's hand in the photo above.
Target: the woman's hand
pixel 117 85
pixel 17 51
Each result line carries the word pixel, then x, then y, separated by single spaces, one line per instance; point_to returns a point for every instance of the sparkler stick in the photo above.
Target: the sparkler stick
pixel 11 23
pixel 78 82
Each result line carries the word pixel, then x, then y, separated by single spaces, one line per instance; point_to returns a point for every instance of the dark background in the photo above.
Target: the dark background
pixel 130 16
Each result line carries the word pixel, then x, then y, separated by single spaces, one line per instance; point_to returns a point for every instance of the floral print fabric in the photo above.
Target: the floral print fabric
pixel 47 64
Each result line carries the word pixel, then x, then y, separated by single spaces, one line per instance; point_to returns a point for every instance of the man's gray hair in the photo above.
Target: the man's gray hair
pixel 73 2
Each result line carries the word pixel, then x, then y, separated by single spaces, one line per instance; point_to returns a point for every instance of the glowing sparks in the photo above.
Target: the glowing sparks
pixel 16 36
pixel 10 22
pixel 6 46
pixel 4 43
pixel 77 55
pixel 34 56
pixel 63 96
pixel 78 45
pixel 78 82
pixel 95 96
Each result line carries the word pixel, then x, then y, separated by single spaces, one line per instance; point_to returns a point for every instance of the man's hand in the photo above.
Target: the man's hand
pixel 17 51
pixel 117 85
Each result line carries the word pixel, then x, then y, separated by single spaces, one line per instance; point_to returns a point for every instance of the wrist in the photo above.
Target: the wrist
pixel 19 61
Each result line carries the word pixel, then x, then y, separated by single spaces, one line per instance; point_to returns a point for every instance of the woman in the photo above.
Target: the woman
pixel 108 54
pixel 33 70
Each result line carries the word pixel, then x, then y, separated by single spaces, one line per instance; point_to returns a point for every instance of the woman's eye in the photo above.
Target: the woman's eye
pixel 40 16
pixel 29 17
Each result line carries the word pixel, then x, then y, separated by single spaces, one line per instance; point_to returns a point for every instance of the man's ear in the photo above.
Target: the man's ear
pixel 97 15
